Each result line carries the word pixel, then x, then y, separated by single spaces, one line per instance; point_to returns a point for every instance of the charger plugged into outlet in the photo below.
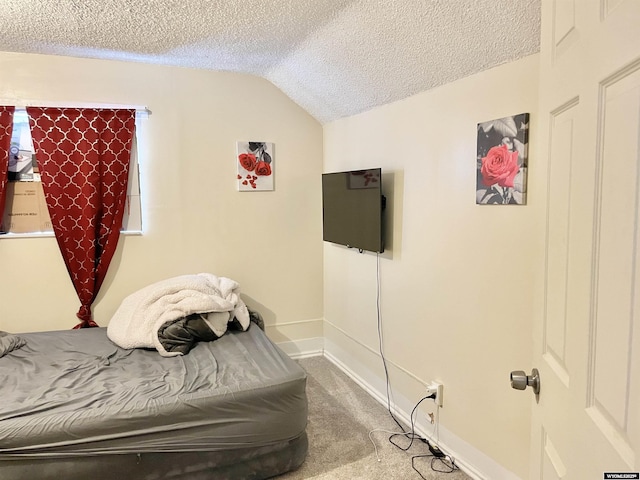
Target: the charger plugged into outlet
pixel 435 390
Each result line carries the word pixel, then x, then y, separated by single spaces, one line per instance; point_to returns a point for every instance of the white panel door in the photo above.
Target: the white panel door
pixel 586 420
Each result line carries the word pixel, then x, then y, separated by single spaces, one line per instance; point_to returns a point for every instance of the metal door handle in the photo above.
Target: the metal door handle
pixel 520 380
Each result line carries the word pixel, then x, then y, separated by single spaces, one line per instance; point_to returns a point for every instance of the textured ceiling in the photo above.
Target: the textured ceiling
pixel 335 58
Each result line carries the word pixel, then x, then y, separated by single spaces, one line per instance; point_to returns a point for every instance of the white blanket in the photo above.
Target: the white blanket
pixel 136 322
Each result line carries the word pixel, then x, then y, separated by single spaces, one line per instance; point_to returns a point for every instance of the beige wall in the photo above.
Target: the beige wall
pixel 194 219
pixel 456 280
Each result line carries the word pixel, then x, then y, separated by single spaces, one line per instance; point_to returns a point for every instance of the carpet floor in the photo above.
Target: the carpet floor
pixel 341 415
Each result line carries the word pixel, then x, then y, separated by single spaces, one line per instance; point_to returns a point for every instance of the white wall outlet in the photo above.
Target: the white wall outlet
pixel 436 389
pixel 432 389
pixel 439 398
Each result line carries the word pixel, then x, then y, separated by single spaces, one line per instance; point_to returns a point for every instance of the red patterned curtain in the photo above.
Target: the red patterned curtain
pixel 6 127
pixel 83 156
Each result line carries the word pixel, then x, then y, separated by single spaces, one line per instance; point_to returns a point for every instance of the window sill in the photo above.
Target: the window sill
pixel 127 233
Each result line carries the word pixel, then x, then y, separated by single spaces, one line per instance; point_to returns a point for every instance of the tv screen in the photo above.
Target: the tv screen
pixel 352 204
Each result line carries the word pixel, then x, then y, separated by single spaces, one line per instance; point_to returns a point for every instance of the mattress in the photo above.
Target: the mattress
pixel 75 393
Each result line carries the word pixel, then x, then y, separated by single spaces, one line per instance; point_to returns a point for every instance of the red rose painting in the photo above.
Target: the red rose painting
pixel 499 166
pixel 248 161
pixel 255 166
pixel 263 169
pixel 501 162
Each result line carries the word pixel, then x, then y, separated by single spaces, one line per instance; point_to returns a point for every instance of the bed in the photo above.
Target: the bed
pixel 76 406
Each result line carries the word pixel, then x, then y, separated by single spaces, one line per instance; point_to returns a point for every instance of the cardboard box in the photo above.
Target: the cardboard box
pixel 25 209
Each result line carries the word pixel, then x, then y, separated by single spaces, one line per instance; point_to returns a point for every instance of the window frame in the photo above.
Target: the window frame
pixel 134 191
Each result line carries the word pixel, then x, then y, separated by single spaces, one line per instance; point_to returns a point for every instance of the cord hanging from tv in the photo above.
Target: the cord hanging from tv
pixel 352 205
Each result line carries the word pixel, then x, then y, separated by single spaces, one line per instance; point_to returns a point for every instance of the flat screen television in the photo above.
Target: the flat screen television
pixel 352 205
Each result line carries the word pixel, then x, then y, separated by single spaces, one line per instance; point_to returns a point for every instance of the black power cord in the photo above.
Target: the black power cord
pixel 437 464
pixel 439 461
pixel 411 435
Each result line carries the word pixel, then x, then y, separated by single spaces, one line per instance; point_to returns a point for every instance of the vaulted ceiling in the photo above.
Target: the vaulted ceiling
pixel 335 58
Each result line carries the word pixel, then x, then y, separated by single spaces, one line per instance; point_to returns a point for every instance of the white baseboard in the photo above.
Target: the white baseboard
pixel 308 347
pixel 469 459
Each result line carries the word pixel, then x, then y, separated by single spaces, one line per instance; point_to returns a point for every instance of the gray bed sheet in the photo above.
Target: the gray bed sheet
pixel 75 393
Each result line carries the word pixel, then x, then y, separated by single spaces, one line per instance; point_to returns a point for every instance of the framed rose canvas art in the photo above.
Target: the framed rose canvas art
pixel 501 164
pixel 255 162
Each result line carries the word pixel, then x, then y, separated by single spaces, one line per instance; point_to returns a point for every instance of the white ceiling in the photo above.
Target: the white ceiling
pixel 335 58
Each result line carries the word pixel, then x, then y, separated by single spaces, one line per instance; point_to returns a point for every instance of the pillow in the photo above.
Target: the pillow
pixel 9 342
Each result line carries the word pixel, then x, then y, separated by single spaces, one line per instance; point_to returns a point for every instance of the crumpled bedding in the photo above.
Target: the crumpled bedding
pixel 181 335
pixel 202 305
pixel 9 343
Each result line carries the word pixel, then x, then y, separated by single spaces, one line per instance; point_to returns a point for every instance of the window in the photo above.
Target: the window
pixel 25 211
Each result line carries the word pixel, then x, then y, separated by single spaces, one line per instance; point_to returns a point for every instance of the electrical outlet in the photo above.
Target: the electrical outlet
pixel 432 389
pixel 436 389
pixel 439 399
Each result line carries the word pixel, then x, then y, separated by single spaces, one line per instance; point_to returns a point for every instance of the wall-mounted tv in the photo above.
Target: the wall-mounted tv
pixel 352 204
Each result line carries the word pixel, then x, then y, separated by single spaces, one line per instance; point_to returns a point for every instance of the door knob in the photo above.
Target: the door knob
pixel 520 380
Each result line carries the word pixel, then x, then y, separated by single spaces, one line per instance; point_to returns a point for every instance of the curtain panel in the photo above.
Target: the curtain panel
pixel 6 128
pixel 83 156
